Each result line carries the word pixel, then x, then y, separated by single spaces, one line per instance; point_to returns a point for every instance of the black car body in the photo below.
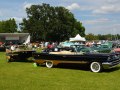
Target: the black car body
pixel 96 61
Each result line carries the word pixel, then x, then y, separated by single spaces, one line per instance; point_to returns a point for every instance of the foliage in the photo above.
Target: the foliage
pixel 48 23
pixel 91 36
pixel 8 26
pixel 23 76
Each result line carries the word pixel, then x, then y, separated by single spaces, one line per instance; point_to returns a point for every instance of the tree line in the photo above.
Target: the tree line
pixel 49 23
pixel 91 36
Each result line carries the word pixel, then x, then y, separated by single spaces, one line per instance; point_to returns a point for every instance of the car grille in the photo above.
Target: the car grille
pixel 115 62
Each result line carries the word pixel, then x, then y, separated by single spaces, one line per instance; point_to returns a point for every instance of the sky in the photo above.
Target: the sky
pixel 97 16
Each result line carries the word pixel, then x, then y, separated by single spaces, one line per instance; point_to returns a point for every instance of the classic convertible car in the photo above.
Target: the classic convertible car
pixel 96 61
pixel 21 55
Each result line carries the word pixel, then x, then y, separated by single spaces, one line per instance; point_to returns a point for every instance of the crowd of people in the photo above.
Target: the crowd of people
pixel 31 46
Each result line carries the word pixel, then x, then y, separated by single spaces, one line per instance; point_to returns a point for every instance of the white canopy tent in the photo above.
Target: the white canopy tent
pixel 78 38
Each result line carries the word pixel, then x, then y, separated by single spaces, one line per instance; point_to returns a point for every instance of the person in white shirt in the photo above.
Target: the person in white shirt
pixel 12 48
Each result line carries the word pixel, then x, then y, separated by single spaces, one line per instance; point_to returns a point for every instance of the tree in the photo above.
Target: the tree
pixel 8 26
pixel 48 23
pixel 90 37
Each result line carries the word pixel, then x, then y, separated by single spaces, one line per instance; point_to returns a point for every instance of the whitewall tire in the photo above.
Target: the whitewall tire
pixel 49 64
pixel 96 67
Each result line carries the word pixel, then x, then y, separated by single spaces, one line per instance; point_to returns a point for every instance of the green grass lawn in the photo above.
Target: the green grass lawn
pixel 23 76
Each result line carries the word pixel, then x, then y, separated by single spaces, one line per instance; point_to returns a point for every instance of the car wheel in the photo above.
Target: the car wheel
pixel 96 67
pixel 49 64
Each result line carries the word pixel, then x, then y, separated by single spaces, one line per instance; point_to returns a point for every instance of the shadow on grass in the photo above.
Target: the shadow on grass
pixel 83 67
pixel 111 69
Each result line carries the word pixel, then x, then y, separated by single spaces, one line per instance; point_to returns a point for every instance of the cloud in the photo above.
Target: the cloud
pixel 107 9
pixel 108 29
pixel 97 21
pixel 73 6
pixel 113 1
pixel 26 5
pixel 17 19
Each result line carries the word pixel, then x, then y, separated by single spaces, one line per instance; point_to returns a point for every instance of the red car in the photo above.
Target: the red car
pixel 116 50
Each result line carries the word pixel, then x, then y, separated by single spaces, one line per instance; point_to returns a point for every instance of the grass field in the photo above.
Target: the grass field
pixel 23 76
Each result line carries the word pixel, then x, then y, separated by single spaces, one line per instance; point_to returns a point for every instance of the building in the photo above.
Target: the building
pixel 15 38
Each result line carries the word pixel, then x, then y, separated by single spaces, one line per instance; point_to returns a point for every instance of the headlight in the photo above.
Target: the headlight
pixel 112 57
pixel 109 58
pixel 118 56
pixel 115 57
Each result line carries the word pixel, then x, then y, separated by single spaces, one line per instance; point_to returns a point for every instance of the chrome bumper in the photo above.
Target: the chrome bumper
pixel 107 65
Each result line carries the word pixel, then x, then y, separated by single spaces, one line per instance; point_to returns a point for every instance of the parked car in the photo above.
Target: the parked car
pixel 66 44
pixel 117 49
pixel 103 48
pixel 21 55
pixel 96 61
